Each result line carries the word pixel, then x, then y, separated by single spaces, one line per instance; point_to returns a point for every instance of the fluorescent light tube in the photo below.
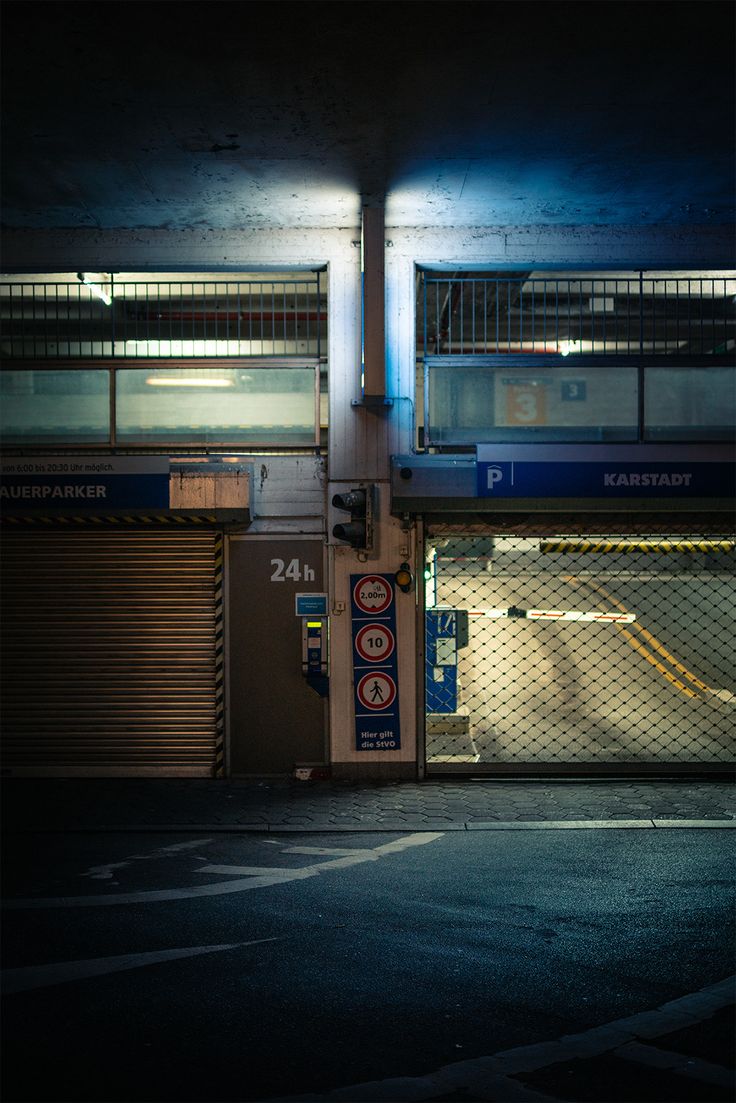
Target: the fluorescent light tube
pixel 166 381
pixel 95 288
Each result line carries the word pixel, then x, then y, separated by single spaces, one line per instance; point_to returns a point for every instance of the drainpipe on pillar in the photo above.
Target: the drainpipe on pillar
pixel 373 305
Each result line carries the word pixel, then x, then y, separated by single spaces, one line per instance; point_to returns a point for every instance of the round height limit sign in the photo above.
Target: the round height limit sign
pixel 375 667
pixel 372 593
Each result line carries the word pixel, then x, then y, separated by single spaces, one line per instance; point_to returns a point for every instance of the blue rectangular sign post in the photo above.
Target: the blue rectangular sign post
pixel 375 663
pixel 603 471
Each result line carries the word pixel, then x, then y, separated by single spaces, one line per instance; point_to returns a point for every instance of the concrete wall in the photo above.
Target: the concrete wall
pixel 290 493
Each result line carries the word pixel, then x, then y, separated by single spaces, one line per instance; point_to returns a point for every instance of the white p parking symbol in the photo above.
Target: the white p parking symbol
pixel 495 474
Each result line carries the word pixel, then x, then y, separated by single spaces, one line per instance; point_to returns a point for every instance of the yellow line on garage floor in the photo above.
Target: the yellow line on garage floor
pixel 654 643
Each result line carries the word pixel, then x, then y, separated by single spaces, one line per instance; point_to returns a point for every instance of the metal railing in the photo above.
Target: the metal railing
pixel 105 316
pixel 590 314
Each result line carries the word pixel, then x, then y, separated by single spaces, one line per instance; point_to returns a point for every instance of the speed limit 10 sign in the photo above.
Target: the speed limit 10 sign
pixel 374 643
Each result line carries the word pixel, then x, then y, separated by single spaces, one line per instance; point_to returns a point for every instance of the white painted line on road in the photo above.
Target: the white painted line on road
pixel 418 839
pixel 325 850
pixel 192 844
pixel 249 871
pixel 680 1063
pixel 492 1077
pixel 104 872
pixel 61 972
pixel 242 884
pixel 602 1039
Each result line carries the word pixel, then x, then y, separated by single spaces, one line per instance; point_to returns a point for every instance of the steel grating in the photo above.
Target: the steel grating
pixel 595 313
pixel 587 651
pixel 43 318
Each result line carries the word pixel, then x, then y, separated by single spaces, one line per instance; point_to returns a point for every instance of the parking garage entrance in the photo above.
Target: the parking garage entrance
pixel 111 645
pixel 574 654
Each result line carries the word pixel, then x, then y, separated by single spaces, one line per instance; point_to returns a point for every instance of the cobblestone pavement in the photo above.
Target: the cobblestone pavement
pixel 279 804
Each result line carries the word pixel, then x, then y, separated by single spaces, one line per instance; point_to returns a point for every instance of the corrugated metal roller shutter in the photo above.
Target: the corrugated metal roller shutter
pixel 109 651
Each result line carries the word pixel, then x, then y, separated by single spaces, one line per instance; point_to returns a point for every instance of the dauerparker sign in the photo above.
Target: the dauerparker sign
pixel 79 483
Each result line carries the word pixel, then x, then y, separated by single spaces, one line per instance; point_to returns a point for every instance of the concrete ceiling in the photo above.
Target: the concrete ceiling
pixel 126 115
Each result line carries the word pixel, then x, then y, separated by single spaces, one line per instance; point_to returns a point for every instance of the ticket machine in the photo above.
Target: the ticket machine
pixel 312 609
pixel 447 633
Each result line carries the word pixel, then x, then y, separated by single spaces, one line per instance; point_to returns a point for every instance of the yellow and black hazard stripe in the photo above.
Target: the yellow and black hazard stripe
pixel 120 519
pixel 656 546
pixel 219 660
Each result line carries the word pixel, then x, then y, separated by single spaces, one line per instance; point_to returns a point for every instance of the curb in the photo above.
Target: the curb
pixel 328 828
pixel 500 1076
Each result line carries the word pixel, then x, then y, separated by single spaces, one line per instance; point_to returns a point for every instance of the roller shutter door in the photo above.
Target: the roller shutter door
pixel 109 652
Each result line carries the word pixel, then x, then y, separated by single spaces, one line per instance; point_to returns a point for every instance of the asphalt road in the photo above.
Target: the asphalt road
pixel 169 967
pixel 661 688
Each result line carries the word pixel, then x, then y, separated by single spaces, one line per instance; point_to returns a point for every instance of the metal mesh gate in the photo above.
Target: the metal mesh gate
pixel 564 653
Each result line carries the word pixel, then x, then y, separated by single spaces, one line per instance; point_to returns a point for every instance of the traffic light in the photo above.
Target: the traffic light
pixel 359 503
pixel 404 578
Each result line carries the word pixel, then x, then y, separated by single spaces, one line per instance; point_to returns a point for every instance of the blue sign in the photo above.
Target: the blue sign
pixel 311 605
pixel 375 665
pixel 574 390
pixel 441 661
pixel 85 484
pixel 602 471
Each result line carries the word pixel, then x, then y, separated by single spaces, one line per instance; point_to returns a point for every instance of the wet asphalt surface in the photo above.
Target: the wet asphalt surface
pixel 188 966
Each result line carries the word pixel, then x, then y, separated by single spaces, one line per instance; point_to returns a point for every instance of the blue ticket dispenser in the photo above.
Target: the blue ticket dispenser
pixel 312 608
pixel 447 633
pixel 314 653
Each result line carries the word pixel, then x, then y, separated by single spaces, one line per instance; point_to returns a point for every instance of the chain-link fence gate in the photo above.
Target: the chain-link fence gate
pixel 554 653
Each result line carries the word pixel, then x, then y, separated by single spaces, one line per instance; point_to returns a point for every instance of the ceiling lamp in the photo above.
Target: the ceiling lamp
pixel 566 347
pixel 95 288
pixel 191 381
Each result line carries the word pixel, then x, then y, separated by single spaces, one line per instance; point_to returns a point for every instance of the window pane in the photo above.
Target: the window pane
pixel 473 405
pixel 689 403
pixel 54 407
pixel 220 404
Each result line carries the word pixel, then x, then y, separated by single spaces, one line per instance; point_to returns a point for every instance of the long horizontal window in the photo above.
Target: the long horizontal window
pixel 577 356
pixel 476 400
pixel 223 403
pixel 55 407
pixel 682 403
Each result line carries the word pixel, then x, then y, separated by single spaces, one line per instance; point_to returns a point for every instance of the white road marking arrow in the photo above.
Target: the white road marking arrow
pixel 255 879
pixel 61 972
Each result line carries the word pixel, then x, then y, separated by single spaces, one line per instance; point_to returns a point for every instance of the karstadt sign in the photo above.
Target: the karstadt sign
pixel 601 471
